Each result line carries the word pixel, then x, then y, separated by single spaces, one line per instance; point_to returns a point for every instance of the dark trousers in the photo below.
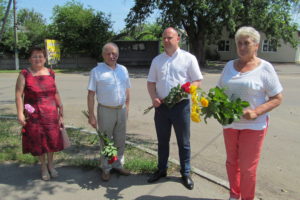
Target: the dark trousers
pixel 179 117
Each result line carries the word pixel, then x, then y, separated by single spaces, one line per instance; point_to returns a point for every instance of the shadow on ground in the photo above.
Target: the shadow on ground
pixel 24 179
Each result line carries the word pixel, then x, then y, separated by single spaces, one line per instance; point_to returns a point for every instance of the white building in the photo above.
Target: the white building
pixel 268 50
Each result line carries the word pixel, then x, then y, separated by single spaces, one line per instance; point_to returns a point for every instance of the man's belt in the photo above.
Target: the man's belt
pixel 111 107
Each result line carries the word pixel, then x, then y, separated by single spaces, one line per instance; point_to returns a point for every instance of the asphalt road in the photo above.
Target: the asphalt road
pixel 278 173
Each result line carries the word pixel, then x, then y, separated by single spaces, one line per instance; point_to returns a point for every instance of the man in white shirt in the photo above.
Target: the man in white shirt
pixel 173 67
pixel 110 83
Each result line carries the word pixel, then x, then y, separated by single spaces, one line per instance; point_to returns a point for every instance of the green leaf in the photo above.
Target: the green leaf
pixel 220 107
pixel 245 104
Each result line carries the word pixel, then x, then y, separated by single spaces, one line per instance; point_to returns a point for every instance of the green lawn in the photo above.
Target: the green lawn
pixel 9 71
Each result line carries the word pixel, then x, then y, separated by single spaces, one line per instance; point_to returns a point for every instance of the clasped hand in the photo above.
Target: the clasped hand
pixel 250 114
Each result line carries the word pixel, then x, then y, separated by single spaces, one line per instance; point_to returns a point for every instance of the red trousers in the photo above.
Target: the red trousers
pixel 243 149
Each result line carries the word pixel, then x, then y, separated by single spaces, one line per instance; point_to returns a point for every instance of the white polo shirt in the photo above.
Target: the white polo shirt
pixel 109 84
pixel 169 71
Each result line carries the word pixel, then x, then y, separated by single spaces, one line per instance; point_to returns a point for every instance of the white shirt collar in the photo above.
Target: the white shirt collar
pixel 174 54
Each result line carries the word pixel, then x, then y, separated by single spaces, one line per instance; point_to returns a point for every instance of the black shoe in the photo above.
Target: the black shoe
pixel 188 182
pixel 156 176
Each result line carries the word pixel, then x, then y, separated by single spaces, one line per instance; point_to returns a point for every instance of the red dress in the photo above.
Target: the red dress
pixel 41 133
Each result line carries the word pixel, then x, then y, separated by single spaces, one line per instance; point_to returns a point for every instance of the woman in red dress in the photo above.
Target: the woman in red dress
pixel 41 134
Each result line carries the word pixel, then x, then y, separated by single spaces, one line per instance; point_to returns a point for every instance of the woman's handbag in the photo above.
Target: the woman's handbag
pixel 65 137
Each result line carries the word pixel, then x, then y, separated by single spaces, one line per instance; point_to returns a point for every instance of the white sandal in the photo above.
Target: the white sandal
pixel 45 175
pixel 53 172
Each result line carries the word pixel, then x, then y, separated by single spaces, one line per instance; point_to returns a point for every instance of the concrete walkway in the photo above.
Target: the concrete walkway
pixel 19 182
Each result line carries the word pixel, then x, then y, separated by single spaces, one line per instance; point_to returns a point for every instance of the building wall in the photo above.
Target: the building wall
pixel 297 60
pixel 284 53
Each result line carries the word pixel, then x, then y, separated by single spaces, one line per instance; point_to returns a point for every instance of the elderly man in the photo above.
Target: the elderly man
pixel 110 83
pixel 173 67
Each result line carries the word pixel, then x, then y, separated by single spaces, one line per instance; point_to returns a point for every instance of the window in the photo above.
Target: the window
pixel 223 45
pixel 132 47
pixel 269 46
pixel 138 47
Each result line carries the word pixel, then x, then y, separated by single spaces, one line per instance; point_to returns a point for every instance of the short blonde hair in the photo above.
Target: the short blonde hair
pixel 248 31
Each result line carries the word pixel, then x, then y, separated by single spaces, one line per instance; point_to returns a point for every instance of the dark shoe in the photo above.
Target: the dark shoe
pixel 105 176
pixel 188 182
pixel 123 171
pixel 156 176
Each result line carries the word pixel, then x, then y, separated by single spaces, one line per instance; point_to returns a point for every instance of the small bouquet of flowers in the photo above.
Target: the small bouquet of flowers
pixel 175 95
pixel 109 150
pixel 29 109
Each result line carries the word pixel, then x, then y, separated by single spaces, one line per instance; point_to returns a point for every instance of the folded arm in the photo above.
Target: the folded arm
pixel 272 103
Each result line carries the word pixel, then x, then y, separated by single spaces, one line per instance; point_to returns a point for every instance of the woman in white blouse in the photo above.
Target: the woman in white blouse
pixel 254 80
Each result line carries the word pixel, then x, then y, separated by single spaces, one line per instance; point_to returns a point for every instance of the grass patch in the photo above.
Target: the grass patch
pixel 11 143
pixel 9 71
pixel 84 151
pixel 139 161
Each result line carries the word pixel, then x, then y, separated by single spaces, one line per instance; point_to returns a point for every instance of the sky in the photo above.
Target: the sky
pixel 117 8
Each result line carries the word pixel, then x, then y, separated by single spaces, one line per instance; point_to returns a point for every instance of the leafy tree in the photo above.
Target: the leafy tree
pixel 32 23
pixel 141 32
pixel 32 28
pixel 204 21
pixel 79 29
pixel 3 6
pixel 31 32
pixel 8 24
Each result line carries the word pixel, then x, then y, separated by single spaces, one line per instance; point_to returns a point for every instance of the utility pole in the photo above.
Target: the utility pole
pixel 4 19
pixel 16 36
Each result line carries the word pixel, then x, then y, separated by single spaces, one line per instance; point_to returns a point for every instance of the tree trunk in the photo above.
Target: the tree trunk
pixel 197 48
